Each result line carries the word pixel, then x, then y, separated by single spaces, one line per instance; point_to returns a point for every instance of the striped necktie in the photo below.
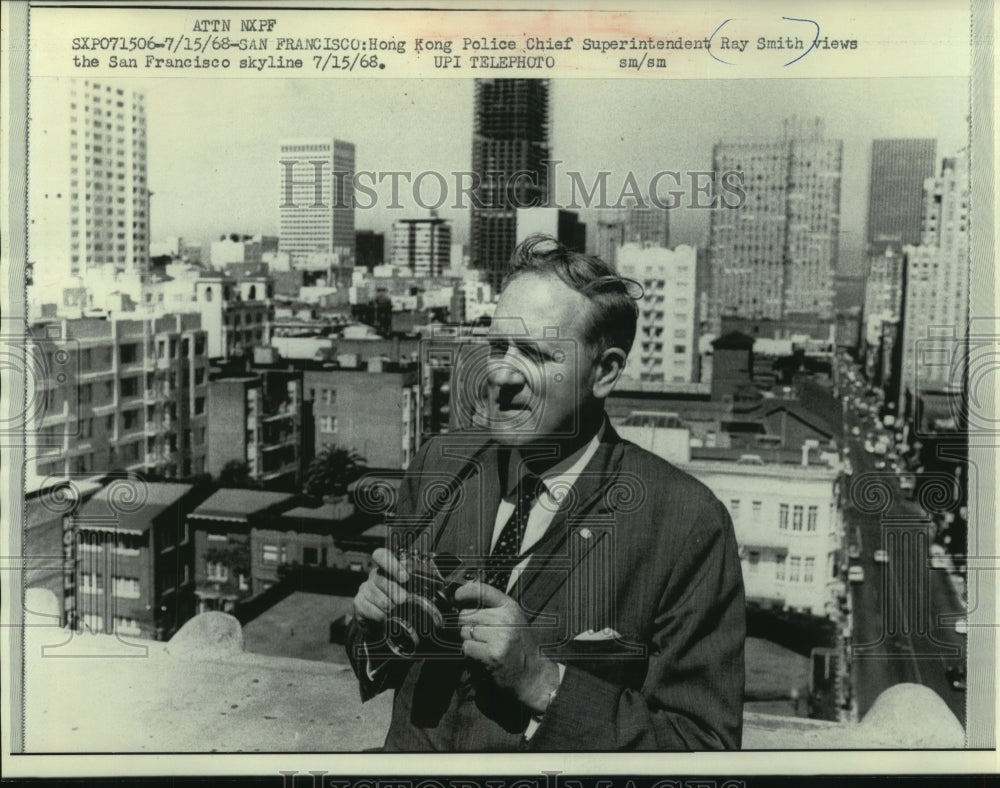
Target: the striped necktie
pixel 506 552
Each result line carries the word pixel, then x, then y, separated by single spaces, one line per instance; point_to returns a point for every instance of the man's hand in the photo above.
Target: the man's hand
pixel 497 635
pixel 379 594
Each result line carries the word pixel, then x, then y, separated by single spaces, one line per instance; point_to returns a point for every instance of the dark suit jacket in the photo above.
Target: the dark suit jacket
pixel 640 551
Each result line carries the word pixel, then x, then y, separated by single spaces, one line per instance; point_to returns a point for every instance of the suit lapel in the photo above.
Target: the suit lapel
pixel 552 558
pixel 458 528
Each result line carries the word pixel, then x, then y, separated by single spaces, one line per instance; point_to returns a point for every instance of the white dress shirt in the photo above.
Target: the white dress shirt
pixel 556 483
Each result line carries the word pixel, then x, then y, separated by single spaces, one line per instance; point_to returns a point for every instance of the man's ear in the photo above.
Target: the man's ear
pixel 608 369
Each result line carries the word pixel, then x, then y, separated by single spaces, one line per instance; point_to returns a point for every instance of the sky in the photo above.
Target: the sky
pixel 212 143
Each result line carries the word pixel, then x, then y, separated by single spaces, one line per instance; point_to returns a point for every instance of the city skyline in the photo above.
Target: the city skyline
pixel 212 173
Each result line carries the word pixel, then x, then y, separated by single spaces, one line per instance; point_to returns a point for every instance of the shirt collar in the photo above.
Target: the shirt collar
pixel 564 473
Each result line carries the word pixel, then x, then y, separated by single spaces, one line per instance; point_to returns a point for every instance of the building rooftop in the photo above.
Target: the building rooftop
pixel 35 484
pixel 734 340
pixel 801 413
pixel 234 504
pixel 327 512
pixel 201 692
pixel 133 502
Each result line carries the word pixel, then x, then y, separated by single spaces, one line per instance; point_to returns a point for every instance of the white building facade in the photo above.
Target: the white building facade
pixel 665 346
pixel 88 194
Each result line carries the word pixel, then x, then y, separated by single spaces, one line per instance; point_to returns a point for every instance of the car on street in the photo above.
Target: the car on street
pixel 956 677
pixel 856 574
pixel 881 556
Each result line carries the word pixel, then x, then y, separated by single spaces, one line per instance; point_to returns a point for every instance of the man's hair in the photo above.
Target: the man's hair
pixel 613 312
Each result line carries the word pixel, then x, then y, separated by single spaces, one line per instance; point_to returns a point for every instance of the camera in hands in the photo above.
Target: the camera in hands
pixel 427 620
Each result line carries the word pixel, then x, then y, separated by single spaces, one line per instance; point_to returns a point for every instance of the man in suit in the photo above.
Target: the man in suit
pixel 607 611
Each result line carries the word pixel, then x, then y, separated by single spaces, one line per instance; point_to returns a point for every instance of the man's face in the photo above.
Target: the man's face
pixel 539 368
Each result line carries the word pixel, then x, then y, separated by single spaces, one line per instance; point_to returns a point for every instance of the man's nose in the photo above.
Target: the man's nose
pixel 506 371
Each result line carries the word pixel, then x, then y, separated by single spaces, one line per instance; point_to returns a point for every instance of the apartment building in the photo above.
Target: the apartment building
pixel 256 418
pixel 131 559
pixel 125 393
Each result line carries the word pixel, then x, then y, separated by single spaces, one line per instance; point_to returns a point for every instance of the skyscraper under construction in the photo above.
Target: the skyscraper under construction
pixel 510 143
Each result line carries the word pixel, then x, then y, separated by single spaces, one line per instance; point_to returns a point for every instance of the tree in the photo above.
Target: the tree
pixel 331 470
pixel 236 473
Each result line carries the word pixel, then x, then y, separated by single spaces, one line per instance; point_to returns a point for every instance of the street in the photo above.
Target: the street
pixel 904 611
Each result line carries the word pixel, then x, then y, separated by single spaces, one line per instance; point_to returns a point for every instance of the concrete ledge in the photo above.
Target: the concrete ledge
pixel 202 693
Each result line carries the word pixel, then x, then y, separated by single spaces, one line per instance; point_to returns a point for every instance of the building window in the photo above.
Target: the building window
pixel 127 626
pixel 812 518
pixel 270 555
pixel 216 572
pixel 779 567
pixel 130 387
pixel 94 622
pixel 199 406
pixel 796 518
pixel 128 354
pixel 783 517
pixel 328 424
pixel 92 584
pixel 794 564
pixel 329 396
pixel 755 509
pixel 809 570
pixel 754 561
pixel 126 544
pixel 125 587
pixel 218 538
pixel 310 556
pixel 734 509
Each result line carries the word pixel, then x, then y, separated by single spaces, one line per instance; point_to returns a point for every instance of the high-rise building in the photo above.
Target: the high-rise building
pixel 608 239
pixel 422 245
pixel 565 226
pixel 369 248
pixel 895 201
pixel 936 295
pixel 647 226
pixel 510 137
pixel 895 206
pixel 665 348
pixel 316 196
pixel 775 254
pixel 883 291
pixel 88 192
pixel 642 226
